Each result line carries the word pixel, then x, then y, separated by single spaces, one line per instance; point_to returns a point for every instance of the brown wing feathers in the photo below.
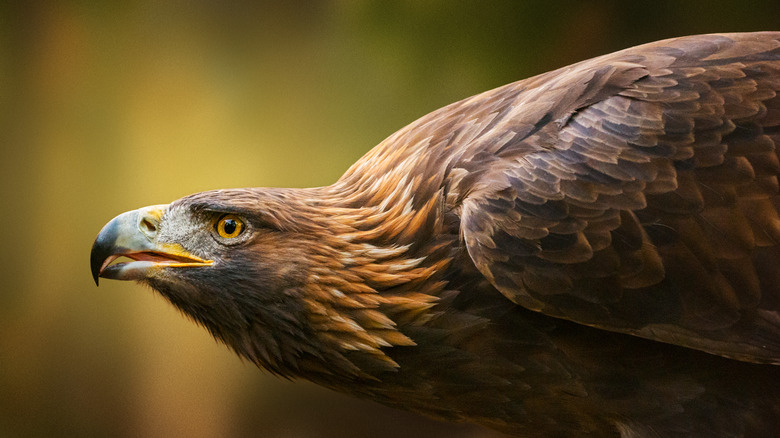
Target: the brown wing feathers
pixel 649 210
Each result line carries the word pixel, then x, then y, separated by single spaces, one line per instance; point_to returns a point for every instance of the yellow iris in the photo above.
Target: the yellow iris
pixel 229 226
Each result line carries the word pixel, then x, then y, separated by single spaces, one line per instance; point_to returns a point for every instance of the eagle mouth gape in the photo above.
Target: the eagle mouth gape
pixel 149 258
pixel 142 263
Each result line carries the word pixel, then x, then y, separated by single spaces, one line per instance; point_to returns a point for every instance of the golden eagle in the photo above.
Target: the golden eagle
pixel 589 252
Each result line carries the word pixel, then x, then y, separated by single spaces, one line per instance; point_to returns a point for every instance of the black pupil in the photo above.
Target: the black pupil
pixel 230 226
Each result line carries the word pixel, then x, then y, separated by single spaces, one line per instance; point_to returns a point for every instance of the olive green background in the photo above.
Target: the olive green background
pixel 107 107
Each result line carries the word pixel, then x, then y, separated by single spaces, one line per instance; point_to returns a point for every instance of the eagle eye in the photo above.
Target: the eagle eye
pixel 229 226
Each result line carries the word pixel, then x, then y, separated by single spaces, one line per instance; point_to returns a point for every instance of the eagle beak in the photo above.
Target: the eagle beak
pixel 134 235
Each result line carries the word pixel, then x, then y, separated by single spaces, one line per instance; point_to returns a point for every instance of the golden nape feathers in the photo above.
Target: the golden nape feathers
pixel 589 252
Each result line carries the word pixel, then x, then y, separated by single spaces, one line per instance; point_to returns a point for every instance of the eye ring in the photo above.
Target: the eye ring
pixel 229 226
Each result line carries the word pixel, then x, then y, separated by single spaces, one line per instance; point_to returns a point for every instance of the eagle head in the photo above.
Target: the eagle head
pixel 271 274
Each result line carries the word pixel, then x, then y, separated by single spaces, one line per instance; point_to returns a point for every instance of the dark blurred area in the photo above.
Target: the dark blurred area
pixel 107 107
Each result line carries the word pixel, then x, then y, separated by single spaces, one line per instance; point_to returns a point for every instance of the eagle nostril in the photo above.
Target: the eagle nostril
pixel 149 219
pixel 149 227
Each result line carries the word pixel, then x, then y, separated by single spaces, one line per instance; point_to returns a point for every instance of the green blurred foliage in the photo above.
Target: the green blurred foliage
pixel 112 106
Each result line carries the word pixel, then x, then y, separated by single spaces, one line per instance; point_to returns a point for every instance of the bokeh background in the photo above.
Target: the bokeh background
pixel 109 106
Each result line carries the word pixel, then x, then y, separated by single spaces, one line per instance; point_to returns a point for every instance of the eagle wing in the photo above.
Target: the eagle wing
pixel 637 192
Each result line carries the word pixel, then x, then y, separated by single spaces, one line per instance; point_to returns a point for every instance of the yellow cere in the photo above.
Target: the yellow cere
pixel 174 250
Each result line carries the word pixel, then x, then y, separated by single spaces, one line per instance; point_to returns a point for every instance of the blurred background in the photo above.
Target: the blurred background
pixel 107 107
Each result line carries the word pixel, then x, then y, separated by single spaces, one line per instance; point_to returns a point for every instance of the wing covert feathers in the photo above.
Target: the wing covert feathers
pixel 651 209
